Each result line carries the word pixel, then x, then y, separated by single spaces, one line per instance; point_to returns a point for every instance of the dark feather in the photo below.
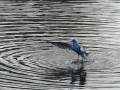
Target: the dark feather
pixel 86 53
pixel 62 45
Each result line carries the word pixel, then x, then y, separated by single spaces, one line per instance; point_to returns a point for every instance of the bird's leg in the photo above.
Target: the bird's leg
pixel 82 60
pixel 78 58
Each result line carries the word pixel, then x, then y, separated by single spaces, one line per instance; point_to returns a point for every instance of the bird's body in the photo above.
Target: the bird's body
pixel 75 47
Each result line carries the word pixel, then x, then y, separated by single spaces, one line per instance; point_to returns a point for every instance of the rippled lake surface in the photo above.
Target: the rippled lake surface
pixel 27 62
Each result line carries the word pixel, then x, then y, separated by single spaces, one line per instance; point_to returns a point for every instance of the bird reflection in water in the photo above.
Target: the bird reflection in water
pixel 81 73
pixel 62 74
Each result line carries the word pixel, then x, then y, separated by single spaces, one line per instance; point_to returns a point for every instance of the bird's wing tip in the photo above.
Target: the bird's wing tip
pixel 62 45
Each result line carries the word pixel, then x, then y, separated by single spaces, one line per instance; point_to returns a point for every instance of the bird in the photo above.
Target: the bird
pixel 74 46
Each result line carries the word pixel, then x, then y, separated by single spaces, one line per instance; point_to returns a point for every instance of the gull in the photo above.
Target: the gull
pixel 74 46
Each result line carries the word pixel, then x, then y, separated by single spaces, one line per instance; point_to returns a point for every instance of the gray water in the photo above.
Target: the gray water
pixel 27 62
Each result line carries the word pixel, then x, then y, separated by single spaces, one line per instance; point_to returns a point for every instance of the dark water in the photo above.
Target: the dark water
pixel 27 62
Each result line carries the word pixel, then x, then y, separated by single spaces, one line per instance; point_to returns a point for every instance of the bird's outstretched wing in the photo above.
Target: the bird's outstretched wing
pixel 62 45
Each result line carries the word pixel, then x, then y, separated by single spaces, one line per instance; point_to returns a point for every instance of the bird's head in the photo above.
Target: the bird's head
pixel 74 41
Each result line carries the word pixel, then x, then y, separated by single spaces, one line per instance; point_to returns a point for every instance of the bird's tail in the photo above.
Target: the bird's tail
pixel 86 54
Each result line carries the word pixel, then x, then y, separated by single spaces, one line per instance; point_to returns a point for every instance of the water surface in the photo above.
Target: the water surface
pixel 27 62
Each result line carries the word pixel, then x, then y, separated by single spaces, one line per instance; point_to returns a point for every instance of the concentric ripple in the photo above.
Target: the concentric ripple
pixel 27 62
